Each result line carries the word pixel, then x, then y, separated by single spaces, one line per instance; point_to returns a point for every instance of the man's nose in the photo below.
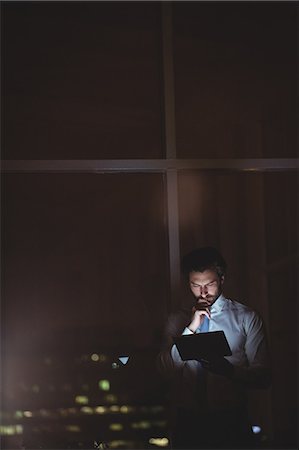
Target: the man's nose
pixel 203 291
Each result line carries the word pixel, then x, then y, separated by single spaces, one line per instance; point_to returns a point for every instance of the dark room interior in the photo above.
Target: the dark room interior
pixel 131 133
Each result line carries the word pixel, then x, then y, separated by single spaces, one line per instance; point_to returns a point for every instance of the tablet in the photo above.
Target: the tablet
pixel 208 346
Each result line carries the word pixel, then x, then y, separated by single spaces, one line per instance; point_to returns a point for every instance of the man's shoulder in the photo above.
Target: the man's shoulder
pixel 239 306
pixel 245 312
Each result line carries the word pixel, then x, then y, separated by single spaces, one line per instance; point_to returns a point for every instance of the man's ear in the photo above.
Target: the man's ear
pixel 222 278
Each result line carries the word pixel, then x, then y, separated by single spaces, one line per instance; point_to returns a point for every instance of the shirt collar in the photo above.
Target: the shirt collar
pixel 219 304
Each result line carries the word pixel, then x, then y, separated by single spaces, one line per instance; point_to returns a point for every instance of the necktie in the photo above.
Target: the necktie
pixel 205 325
pixel 201 380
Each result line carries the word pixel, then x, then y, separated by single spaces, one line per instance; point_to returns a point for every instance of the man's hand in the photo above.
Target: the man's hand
pixel 219 366
pixel 199 311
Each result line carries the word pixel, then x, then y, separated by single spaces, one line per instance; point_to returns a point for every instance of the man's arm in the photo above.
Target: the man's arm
pixel 257 372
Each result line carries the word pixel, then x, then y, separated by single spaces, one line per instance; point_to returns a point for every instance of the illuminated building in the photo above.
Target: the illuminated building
pixel 93 402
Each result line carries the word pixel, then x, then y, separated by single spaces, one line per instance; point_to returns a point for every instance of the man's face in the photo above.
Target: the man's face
pixel 206 286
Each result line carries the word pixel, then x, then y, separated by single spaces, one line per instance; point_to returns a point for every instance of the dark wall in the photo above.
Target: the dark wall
pixel 82 80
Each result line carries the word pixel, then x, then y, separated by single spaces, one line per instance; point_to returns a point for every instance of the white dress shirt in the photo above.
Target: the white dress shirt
pixel 245 334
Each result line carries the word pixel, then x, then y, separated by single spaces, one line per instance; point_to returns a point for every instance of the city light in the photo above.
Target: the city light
pixel 10 430
pixel 28 413
pixel 86 410
pixel 116 427
pixel 73 428
pixel 121 444
pixel 104 385
pixel 114 408
pixel 125 409
pixel 95 357
pixel 81 399
pixel 160 442
pixel 101 410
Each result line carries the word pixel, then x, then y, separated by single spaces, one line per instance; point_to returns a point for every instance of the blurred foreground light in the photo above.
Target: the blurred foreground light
pixel 73 428
pixel 143 424
pixel 114 408
pixel 116 427
pixel 86 410
pixel 104 385
pixel 95 357
pixel 18 414
pixel 124 409
pixel 81 399
pixel 160 442
pixel 10 430
pixel 256 429
pixel 101 409
pixel 28 414
pixel 121 444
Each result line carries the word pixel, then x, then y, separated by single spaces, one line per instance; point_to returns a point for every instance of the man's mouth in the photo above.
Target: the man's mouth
pixel 204 300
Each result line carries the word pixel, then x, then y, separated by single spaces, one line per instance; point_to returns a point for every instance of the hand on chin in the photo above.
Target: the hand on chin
pixel 205 302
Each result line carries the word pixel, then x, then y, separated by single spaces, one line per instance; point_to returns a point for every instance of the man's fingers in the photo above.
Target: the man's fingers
pixel 199 307
pixel 202 312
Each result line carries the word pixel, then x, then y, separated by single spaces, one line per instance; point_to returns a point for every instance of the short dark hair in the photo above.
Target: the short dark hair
pixel 204 258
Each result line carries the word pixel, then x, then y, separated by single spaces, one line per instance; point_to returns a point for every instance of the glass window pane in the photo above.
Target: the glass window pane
pixel 85 283
pixel 235 77
pixel 252 219
pixel 244 214
pixel 81 80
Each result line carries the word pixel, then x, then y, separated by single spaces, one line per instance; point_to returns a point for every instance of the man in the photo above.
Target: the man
pixel 211 396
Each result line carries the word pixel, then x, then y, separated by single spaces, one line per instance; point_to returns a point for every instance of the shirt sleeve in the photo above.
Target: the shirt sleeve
pixel 257 373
